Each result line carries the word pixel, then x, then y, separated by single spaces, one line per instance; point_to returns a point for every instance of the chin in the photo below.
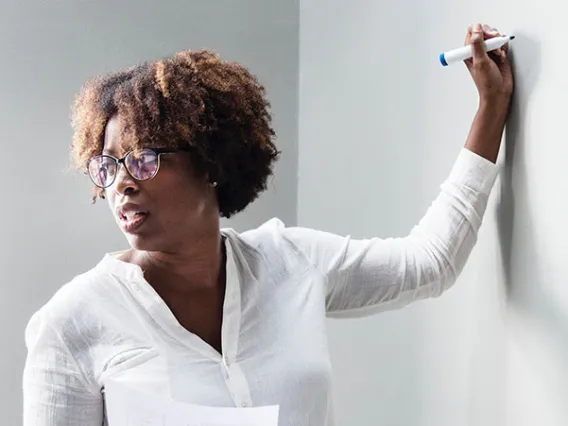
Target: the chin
pixel 141 243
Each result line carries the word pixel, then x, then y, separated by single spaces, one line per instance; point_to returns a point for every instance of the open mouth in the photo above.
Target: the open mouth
pixel 131 215
pixel 132 220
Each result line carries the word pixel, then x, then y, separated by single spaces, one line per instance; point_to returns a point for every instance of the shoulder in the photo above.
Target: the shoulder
pixel 60 338
pixel 295 238
pixel 274 241
pixel 271 234
pixel 271 230
pixel 77 294
pixel 266 246
pixel 72 308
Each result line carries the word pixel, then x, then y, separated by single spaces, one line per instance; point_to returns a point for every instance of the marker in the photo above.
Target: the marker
pixel 462 53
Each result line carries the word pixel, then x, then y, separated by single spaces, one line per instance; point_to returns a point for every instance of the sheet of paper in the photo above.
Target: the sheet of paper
pixel 126 406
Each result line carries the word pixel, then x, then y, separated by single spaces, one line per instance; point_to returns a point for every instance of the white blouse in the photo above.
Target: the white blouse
pixel 110 324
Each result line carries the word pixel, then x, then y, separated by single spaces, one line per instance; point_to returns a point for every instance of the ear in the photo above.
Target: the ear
pixel 211 179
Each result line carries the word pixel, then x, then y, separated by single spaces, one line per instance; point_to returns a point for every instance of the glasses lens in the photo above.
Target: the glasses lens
pixel 142 164
pixel 102 170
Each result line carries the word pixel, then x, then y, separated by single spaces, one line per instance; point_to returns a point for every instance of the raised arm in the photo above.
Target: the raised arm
pixel 368 276
pixel 372 275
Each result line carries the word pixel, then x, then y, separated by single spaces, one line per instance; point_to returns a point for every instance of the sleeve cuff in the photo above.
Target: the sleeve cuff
pixel 474 171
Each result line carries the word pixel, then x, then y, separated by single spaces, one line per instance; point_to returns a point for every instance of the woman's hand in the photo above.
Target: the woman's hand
pixel 491 71
pixel 493 75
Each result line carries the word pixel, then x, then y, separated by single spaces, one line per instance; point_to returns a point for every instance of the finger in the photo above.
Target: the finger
pixel 476 42
pixel 501 54
pixel 490 32
pixel 505 55
pixel 505 47
pixel 468 35
pixel 467 42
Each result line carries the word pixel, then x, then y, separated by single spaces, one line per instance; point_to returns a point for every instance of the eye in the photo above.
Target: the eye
pixel 142 164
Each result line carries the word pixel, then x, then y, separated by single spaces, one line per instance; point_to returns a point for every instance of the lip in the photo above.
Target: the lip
pixel 131 217
pixel 131 226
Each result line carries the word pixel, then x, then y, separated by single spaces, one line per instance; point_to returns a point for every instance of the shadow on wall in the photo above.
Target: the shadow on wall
pixel 524 274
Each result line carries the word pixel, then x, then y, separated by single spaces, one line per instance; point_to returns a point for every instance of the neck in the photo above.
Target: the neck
pixel 199 266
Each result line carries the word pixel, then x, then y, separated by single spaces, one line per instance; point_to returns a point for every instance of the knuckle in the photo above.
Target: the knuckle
pixel 481 64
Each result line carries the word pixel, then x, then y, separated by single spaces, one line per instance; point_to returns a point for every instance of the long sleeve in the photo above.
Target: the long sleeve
pixel 371 275
pixel 56 389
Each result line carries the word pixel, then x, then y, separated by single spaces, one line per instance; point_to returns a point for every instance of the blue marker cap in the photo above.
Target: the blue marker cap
pixel 443 60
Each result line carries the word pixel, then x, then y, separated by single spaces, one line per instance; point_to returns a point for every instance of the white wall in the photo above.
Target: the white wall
pixel 380 127
pixel 48 230
pixel 379 130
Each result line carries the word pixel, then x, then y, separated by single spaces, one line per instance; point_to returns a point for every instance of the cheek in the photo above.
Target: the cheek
pixel 180 183
pixel 111 202
pixel 179 199
pixel 184 202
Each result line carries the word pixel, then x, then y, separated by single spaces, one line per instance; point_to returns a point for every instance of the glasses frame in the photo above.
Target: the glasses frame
pixel 119 161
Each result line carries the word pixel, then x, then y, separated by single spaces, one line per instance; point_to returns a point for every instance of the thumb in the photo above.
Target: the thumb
pixel 477 46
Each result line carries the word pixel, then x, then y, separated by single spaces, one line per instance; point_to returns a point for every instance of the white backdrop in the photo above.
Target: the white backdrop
pixel 381 123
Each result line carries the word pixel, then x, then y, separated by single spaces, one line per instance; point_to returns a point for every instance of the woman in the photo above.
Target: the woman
pixel 206 315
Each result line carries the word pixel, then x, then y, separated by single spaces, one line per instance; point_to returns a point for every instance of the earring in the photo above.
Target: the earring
pixel 213 184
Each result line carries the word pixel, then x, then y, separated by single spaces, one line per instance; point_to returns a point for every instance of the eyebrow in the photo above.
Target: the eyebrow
pixel 113 150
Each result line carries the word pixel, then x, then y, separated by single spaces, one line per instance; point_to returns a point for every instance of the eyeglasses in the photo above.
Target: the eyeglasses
pixel 142 164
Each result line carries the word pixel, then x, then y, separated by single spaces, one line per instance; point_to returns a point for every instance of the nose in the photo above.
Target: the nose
pixel 124 184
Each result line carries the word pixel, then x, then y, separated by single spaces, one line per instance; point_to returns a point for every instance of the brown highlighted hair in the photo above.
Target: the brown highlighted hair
pixel 194 100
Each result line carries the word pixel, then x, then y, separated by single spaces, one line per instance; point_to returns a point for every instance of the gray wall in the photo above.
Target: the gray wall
pixel 48 229
pixel 380 128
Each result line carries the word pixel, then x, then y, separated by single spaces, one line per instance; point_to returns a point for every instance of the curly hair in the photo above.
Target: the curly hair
pixel 194 100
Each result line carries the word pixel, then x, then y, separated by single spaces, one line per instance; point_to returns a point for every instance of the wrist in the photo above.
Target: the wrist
pixel 487 129
pixel 497 105
pixel 493 113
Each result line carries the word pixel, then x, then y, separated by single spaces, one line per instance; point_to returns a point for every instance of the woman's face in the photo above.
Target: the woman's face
pixel 166 212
